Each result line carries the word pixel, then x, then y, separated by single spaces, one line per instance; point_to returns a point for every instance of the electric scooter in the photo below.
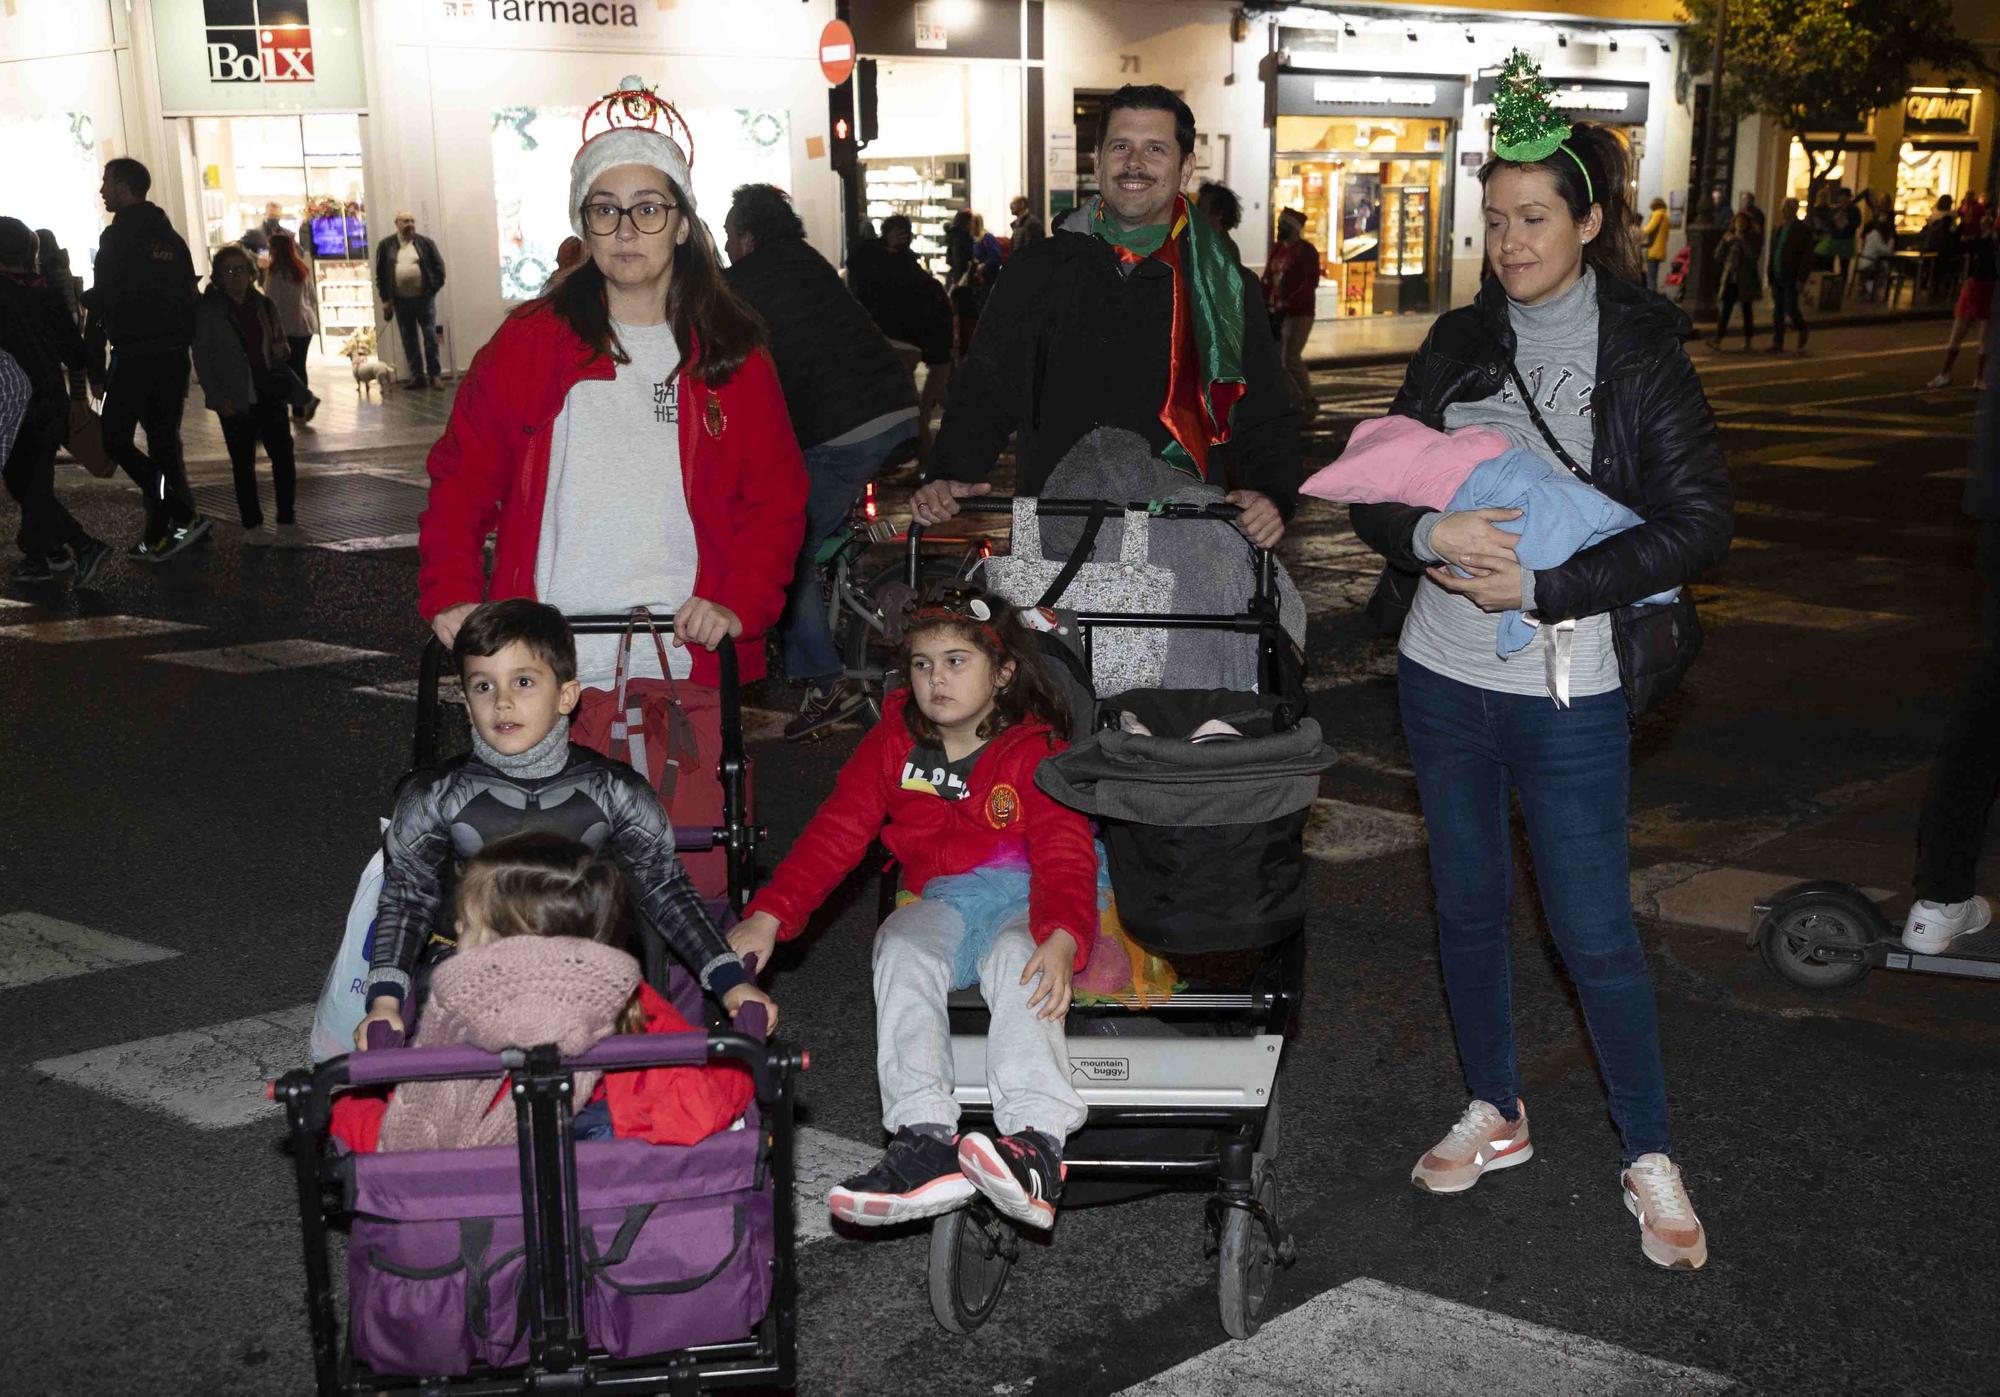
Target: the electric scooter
pixel 1826 935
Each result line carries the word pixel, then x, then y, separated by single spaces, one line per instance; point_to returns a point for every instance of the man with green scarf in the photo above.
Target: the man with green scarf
pixel 1131 314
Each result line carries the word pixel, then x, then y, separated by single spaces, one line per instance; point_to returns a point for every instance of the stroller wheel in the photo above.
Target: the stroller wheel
pixel 1246 1261
pixel 972 1250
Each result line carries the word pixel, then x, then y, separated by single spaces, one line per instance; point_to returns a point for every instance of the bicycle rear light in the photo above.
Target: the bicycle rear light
pixel 869 508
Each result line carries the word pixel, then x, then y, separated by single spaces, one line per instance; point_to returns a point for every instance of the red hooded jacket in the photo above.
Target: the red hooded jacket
pixel 740 468
pixel 932 837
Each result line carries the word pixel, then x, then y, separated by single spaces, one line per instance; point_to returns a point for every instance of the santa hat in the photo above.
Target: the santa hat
pixel 636 126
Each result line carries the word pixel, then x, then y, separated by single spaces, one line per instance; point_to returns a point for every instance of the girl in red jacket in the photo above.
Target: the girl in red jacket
pixel 540 924
pixel 1004 889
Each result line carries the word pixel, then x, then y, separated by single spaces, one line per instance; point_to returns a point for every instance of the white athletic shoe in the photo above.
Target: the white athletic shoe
pixel 1933 926
pixel 1940 381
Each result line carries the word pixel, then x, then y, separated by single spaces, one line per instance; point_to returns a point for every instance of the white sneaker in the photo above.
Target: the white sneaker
pixel 1940 381
pixel 1933 926
pixel 1669 1233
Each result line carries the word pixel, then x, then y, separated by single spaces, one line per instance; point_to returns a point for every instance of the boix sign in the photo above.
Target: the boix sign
pixel 258 40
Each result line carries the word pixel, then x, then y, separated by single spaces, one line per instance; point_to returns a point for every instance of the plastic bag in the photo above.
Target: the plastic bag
pixel 342 1000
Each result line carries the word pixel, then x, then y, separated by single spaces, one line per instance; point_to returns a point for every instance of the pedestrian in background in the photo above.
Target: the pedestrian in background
pixel 1844 226
pixel 1291 294
pixel 240 353
pixel 1747 204
pixel 907 304
pixel 295 297
pixel 53 264
pixel 41 339
pixel 1524 359
pixel 1027 226
pixel 1737 256
pixel 1975 303
pixel 1224 211
pixel 1791 263
pixel 624 439
pixel 1965 778
pixel 409 273
pixel 958 241
pixel 142 305
pixel 1654 235
pixel 1871 263
pixel 853 407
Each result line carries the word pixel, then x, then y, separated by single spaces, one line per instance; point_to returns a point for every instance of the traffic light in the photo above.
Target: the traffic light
pixel 842 142
pixel 864 88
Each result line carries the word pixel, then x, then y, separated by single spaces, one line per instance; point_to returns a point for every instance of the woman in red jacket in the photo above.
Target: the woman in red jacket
pixel 626 435
pixel 1004 882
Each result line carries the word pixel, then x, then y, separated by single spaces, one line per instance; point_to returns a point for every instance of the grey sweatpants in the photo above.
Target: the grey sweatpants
pixel 1027 1066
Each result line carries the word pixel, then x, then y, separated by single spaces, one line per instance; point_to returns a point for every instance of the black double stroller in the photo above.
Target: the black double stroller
pixel 1205 845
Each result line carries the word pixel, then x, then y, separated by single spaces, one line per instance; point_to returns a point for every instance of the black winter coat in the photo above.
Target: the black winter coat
pixel 1069 342
pixel 836 368
pixel 37 329
pixel 906 302
pixel 1655 451
pixel 145 291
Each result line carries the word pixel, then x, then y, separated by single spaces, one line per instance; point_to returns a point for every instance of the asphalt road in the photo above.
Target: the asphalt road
pixel 180 832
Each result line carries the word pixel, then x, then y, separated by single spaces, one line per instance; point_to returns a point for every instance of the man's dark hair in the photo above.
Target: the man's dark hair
pixel 1151 97
pixel 895 220
pixel 130 173
pixel 17 244
pixel 1220 201
pixel 765 212
pixel 496 625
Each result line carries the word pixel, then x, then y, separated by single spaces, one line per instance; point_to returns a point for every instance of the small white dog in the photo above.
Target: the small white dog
pixel 368 369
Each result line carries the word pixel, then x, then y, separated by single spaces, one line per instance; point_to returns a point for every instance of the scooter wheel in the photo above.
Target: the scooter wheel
pixel 1792 927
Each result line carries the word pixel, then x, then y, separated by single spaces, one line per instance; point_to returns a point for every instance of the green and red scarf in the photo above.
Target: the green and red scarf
pixel 1205 363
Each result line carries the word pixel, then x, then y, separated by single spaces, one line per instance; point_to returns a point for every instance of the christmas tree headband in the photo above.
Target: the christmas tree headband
pixel 1526 125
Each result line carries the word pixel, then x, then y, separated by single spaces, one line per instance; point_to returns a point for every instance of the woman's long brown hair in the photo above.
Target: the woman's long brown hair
pixel 708 318
pixel 285 257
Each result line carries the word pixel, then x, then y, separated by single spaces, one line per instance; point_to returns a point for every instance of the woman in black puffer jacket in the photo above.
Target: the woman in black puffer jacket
pixel 1567 356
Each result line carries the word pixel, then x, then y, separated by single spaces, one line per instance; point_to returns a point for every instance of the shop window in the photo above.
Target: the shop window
pixel 929 190
pixel 1923 174
pixel 532 149
pixel 56 156
pixel 1369 188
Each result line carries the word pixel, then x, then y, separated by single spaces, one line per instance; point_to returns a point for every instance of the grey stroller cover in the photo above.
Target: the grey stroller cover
pixel 1205 839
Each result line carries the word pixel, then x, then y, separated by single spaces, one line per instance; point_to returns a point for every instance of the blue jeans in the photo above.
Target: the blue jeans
pixel 1785 306
pixel 1572 768
pixel 835 477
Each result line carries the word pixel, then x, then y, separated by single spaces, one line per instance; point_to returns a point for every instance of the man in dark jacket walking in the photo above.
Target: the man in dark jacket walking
pixel 853 407
pixel 409 272
pixel 1790 265
pixel 1131 314
pixel 36 329
pixel 910 306
pixel 144 300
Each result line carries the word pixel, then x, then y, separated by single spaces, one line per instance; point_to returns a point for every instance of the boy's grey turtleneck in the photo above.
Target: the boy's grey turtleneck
pixel 1556 351
pixel 545 758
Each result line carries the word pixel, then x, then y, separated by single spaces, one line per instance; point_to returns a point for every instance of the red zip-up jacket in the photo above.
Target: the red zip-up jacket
pixel 740 469
pixel 932 837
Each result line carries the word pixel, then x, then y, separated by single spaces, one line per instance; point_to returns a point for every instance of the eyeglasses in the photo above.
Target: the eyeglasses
pixel 649 217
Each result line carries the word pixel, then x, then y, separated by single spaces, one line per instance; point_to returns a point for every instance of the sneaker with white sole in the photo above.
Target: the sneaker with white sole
pixel 1669 1232
pixel 1482 1140
pixel 1932 926
pixel 1021 1175
pixel 919 1177
pixel 1940 381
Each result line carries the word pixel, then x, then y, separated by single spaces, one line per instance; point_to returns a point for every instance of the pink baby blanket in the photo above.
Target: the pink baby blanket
pixel 1399 460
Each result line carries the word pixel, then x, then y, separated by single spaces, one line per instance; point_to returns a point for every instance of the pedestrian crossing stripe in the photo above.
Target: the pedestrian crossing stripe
pixel 212 1078
pixel 1754 605
pixel 265 656
pixel 1339 831
pixel 1368 1337
pixel 34 948
pixel 9 601
pixel 84 628
pixel 378 543
pixel 821 1159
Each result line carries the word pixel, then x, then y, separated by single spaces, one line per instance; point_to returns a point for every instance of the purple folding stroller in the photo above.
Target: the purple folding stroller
pixel 609 1264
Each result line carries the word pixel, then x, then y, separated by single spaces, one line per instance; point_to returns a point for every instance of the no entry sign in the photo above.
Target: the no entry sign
pixel 836 52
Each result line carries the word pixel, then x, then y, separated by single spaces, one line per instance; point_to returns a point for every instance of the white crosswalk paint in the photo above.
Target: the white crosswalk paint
pixel 1369 1337
pixel 370 545
pixel 1339 831
pixel 34 948
pixel 820 1161
pixel 406 689
pixel 77 628
pixel 265 656
pixel 9 601
pixel 212 1078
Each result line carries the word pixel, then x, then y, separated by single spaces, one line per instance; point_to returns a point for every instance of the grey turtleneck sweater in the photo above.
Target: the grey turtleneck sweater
pixel 545 758
pixel 1556 350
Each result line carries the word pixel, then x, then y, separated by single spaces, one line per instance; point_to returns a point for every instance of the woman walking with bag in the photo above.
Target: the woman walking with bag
pixel 295 296
pixel 240 355
pixel 626 434
pixel 1568 358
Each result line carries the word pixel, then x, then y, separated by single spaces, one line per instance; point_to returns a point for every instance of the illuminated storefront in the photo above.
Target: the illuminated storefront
pixel 1365 158
pixel 1935 157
